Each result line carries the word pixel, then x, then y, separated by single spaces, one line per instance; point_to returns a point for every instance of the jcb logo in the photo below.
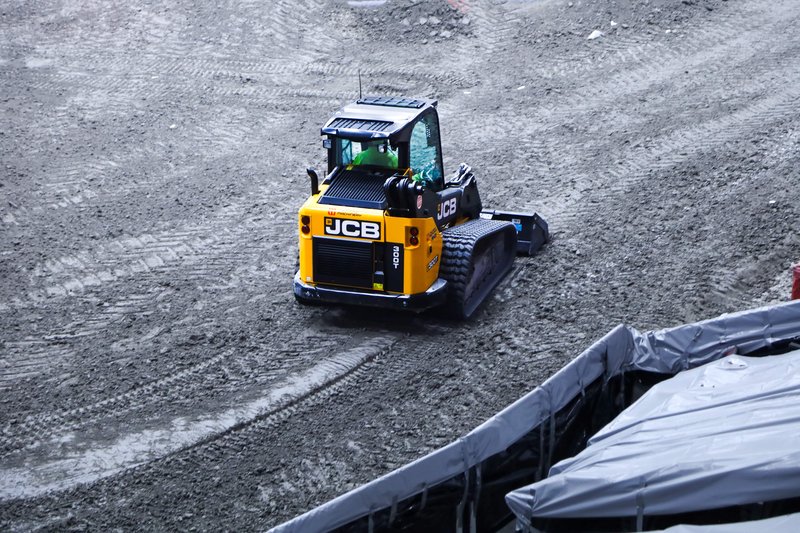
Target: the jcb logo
pixel 352 228
pixel 447 208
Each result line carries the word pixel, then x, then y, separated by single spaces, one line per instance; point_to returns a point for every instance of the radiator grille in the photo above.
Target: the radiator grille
pixel 356 189
pixel 343 262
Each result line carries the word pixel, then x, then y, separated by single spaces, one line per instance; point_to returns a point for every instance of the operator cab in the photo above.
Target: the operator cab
pixel 378 137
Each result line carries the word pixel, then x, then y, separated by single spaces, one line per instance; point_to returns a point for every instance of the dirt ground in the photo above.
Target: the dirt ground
pixel 155 371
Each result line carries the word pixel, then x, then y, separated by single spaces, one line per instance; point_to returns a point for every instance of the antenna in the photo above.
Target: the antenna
pixel 359 84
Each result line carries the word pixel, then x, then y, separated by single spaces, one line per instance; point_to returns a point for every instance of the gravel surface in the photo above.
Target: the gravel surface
pixel 155 371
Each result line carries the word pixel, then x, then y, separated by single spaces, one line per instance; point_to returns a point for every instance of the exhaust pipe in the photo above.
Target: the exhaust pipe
pixel 314 180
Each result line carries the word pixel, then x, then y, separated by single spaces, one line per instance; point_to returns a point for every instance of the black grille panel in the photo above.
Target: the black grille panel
pixel 392 101
pixel 343 262
pixel 359 124
pixel 356 189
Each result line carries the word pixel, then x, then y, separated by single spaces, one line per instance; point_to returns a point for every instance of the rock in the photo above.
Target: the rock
pixel 596 34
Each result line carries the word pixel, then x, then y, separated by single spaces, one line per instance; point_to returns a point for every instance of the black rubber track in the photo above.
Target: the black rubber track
pixel 464 248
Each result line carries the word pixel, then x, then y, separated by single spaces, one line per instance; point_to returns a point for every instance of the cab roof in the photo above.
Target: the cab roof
pixel 377 117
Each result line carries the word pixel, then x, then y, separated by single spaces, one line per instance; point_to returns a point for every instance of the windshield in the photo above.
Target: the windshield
pixel 377 153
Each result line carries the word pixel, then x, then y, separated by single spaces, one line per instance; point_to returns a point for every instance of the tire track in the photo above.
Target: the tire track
pixel 626 47
pixel 108 92
pixel 78 183
pixel 670 148
pixel 588 99
pixel 708 50
pixel 133 450
pixel 496 25
pixel 130 256
pixel 732 288
pixel 119 90
pixel 377 370
pixel 124 258
pixel 32 355
pixel 277 25
pixel 196 253
pixel 312 344
pixel 669 151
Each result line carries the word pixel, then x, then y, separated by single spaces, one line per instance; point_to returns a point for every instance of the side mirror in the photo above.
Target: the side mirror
pixel 314 180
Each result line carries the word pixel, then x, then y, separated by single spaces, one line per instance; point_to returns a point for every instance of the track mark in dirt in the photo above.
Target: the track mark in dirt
pixel 135 255
pixel 668 152
pixel 187 253
pixel 26 358
pixel 84 462
pixel 368 381
pixel 300 344
pixel 671 150
pixel 625 48
pixel 706 49
pixel 110 263
pixel 257 83
pixel 34 427
pixel 55 196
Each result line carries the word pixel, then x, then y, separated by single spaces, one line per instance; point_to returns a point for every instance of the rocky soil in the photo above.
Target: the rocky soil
pixel 155 371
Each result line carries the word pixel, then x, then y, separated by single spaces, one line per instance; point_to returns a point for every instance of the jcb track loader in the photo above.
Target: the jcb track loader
pixel 386 229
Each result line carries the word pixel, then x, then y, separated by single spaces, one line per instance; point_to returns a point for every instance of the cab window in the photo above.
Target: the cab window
pixel 378 153
pixel 426 158
pixel 344 147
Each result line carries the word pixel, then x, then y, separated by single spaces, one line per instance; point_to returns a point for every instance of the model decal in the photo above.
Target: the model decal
pixel 396 257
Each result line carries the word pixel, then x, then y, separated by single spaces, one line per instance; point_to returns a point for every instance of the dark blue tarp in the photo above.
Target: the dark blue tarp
pixel 721 435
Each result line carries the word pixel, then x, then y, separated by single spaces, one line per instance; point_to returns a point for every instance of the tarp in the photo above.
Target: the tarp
pixel 720 435
pixel 621 350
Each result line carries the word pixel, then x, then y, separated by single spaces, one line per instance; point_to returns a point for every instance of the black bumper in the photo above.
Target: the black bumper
pixel 434 296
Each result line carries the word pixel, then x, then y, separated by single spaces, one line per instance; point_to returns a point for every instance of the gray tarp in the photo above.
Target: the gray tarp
pixel 720 435
pixel 666 351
